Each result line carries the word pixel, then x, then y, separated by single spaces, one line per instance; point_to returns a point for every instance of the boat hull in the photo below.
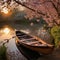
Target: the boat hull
pixel 41 49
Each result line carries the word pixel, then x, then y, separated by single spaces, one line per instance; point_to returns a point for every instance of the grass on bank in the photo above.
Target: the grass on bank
pixel 3 53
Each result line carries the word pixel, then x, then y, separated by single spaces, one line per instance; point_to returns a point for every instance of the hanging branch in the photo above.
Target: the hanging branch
pixel 40 12
pixel 29 8
pixel 56 8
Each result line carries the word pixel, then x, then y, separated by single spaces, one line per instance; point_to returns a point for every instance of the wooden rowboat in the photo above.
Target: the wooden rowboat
pixel 34 43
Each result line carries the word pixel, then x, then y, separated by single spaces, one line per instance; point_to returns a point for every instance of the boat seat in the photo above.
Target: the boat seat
pixel 26 39
pixel 39 44
pixel 29 43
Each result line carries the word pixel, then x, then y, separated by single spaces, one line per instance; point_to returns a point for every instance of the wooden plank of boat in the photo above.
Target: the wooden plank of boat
pixel 25 39
pixel 29 43
pixel 37 44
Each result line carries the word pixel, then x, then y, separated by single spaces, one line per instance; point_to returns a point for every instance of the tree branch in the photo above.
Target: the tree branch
pixel 38 11
pixel 29 8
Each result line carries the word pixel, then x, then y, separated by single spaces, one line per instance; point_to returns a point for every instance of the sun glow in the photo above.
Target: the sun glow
pixel 6 30
pixel 5 10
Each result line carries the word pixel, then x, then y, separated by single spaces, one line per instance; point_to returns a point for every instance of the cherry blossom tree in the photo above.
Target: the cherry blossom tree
pixel 49 10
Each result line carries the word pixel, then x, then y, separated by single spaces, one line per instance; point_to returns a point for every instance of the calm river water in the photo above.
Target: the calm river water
pixel 7 31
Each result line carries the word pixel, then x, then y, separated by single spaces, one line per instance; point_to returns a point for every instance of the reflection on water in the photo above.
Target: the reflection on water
pixel 6 32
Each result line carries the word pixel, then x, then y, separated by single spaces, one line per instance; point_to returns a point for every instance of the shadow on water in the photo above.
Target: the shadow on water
pixel 29 54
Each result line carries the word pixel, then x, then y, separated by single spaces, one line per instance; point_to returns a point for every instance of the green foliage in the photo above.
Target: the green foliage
pixel 3 53
pixel 55 32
